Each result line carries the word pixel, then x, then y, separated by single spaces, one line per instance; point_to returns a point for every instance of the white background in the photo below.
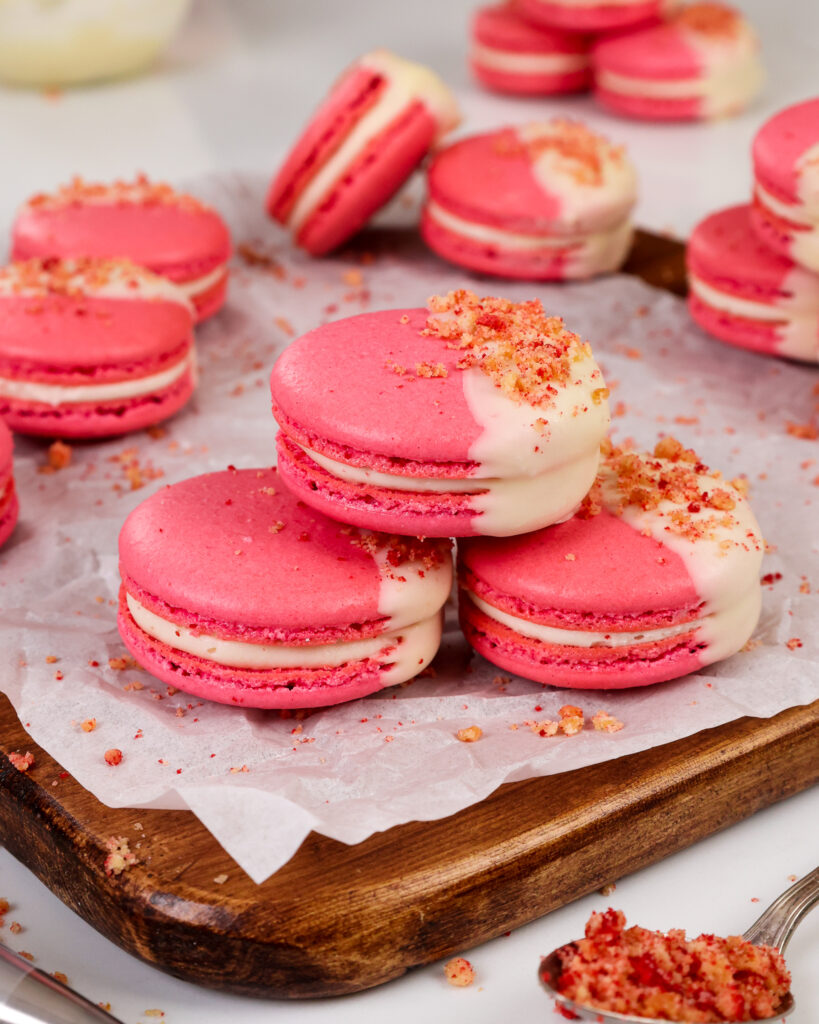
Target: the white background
pixel 232 94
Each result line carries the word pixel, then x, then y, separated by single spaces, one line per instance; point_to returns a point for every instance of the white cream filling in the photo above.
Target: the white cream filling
pixel 590 254
pixel 528 63
pixel 198 285
pixel 73 394
pixel 797 329
pixel 406 83
pixel 414 647
pixel 807 180
pixel 804 245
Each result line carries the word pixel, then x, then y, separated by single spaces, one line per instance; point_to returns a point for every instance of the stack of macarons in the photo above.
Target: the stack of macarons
pixel 485 420
pixel 648 59
pixel 753 269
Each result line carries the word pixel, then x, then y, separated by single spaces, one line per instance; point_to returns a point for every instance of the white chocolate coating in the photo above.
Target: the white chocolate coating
pixel 807 182
pixel 804 247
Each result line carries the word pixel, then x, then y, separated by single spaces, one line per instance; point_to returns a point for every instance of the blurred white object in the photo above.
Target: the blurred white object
pixel 67 42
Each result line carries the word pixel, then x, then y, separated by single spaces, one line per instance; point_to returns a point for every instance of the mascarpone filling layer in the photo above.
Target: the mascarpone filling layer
pixel 795 212
pixel 528 63
pixel 405 651
pixel 74 394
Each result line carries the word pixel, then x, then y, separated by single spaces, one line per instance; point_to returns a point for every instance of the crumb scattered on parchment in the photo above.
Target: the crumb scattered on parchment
pixel 25 954
pixel 88 725
pixel 793 643
pixel 58 456
pixel 113 756
pixel 470 734
pixel 459 972
pixel 119 664
pixel 605 722
pixel 607 890
pixel 120 857
pixel 59 976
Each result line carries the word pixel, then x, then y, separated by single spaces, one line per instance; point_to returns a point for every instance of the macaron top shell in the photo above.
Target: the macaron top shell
pixel 149 223
pixel 89 314
pixel 236 547
pixel 555 177
pixel 786 154
pixel 6 447
pixel 500 27
pixel 724 250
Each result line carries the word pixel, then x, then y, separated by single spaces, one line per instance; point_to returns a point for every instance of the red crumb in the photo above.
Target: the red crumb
pixel 50 659
pixel 118 664
pixel 581 152
pixel 459 972
pixel 571 719
pixel 604 722
pixel 88 725
pixel 470 734
pixel 22 762
pixel 793 643
pixel 59 457
pixel 59 976
pixel 710 19
pixel 668 977
pixel 804 431
pixel 25 954
pixel 119 856
pixel 113 756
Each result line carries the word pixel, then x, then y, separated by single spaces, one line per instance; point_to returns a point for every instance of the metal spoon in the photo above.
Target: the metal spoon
pixel 773 927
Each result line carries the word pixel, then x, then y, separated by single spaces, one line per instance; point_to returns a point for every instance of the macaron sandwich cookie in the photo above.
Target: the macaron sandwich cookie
pixel 9 506
pixel 475 416
pixel 149 223
pixel 234 590
pixel 373 129
pixel 547 201
pixel 786 183
pixel 702 63
pixel 657 576
pixel 511 55
pixel 744 293
pixel 91 348
pixel 592 15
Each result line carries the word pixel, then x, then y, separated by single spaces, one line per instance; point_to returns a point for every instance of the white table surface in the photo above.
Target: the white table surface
pixel 232 93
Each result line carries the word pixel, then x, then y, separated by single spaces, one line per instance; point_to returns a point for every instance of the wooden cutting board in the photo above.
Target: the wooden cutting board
pixel 337 918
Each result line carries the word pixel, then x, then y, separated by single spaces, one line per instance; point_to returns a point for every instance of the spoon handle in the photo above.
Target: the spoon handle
pixel 775 925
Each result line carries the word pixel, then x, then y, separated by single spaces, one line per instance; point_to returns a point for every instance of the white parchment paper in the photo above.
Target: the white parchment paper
pixel 259 781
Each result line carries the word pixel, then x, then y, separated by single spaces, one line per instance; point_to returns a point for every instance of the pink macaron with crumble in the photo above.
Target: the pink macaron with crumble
pixel 744 293
pixel 91 348
pixel 378 122
pixel 703 63
pixel 475 416
pixel 544 201
pixel 148 223
pixel 236 591
pixel 592 15
pixel 786 183
pixel 511 55
pixel 656 577
pixel 9 505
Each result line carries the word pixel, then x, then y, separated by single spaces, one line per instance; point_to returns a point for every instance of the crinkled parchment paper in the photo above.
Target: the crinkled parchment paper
pixel 259 781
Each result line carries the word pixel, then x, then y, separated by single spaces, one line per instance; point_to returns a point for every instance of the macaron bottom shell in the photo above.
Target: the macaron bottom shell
pixel 521 83
pixel 211 300
pixel 9 510
pixel 754 335
pixel 649 108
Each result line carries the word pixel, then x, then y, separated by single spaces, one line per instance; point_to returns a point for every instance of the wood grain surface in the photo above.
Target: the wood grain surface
pixel 337 918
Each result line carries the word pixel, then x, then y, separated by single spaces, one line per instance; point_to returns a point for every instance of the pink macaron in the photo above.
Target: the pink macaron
pixel 591 16
pixel 148 223
pixel 744 293
pixel 478 416
pixel 234 590
pixel 786 183
pixel 373 129
pixel 511 55
pixel 91 348
pixel 547 201
pixel 656 577
pixel 9 506
pixel 703 63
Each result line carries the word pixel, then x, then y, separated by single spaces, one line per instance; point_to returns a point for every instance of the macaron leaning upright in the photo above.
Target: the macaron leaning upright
pixel 91 348
pixel 657 576
pixel 378 122
pixel 9 505
pixel 744 293
pixel 703 63
pixel 511 55
pixel 786 183
pixel 233 590
pixel 149 223
pixel 475 416
pixel 591 16
pixel 545 201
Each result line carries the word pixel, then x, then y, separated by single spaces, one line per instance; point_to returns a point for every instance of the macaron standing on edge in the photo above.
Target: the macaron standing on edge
pixel 236 591
pixel 510 55
pixel 656 577
pixel 744 293
pixel 786 183
pixel 91 348
pixel 475 416
pixel 545 201
pixel 703 63
pixel 373 129
pixel 149 223
pixel 9 505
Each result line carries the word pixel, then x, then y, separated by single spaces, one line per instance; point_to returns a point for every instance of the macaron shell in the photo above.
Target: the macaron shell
pixel 658 53
pixel 9 511
pixel 504 28
pixel 779 144
pixel 169 239
pixel 210 301
pixel 589 17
